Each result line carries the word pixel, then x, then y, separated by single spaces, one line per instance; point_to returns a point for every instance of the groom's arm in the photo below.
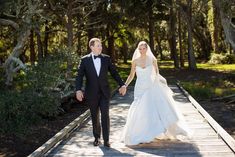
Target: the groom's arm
pixel 80 75
pixel 114 73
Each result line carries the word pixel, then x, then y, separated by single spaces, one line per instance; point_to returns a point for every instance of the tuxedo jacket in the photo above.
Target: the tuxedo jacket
pixel 94 83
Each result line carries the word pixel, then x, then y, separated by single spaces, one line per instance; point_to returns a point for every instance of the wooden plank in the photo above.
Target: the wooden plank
pixel 65 132
pixel 205 142
pixel 227 138
pixel 140 152
pixel 205 154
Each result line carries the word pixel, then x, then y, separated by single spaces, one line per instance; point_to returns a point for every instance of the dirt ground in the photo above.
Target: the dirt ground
pixel 13 146
pixel 224 114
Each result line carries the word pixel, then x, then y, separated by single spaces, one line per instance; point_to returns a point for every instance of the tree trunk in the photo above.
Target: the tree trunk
pixel 90 31
pixel 180 39
pixel 13 60
pixel 204 42
pixel 216 26
pixel 32 48
pixel 111 51
pixel 46 38
pixel 79 48
pixel 191 57
pixel 159 41
pixel 104 34
pixel 39 44
pixel 172 38
pixel 124 52
pixel 79 36
pixel 23 57
pixel 151 30
pixel 225 8
pixel 110 48
pixel 69 26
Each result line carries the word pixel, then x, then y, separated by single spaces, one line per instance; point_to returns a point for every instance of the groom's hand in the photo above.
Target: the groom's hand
pixel 122 90
pixel 79 95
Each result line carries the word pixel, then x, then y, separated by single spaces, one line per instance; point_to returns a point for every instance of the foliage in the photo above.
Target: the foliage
pixel 35 96
pixel 204 89
pixel 199 92
pixel 222 58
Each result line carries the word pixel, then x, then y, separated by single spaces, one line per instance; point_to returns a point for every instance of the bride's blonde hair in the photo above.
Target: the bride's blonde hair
pixel 142 43
pixel 148 53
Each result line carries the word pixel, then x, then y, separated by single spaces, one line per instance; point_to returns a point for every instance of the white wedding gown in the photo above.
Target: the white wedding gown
pixel 153 112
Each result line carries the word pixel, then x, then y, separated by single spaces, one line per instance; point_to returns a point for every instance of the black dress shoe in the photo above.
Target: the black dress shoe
pixel 96 142
pixel 106 144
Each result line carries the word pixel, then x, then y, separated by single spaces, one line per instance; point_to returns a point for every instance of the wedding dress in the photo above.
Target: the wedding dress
pixel 153 112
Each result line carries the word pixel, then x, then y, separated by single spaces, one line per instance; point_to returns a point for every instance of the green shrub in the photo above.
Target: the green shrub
pixel 205 90
pixel 34 96
pixel 229 58
pixel 198 91
pixel 17 112
pixel 222 58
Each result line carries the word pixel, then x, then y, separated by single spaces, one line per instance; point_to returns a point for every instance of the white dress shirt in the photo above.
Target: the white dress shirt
pixel 97 63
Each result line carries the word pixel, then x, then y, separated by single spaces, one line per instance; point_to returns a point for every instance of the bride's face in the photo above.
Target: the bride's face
pixel 143 49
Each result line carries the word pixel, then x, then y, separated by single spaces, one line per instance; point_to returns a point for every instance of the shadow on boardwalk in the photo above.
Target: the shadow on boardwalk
pixel 205 141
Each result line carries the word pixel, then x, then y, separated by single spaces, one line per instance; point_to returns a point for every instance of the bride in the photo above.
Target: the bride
pixel 153 113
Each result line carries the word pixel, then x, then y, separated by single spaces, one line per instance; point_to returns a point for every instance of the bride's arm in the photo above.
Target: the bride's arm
pixel 156 66
pixel 132 74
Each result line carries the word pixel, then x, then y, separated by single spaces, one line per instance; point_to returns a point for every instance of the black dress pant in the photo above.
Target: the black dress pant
pixel 100 106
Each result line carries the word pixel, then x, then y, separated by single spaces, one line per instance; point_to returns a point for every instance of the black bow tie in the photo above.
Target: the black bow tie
pixel 98 56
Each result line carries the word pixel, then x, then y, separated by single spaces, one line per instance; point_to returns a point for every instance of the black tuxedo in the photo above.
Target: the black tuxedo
pixel 97 90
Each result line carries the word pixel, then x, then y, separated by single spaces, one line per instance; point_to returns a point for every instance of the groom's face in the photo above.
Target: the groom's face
pixel 97 47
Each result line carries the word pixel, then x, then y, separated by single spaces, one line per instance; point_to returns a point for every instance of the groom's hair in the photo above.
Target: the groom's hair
pixel 93 40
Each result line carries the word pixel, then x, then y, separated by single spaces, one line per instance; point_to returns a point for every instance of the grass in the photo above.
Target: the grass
pixel 218 67
pixel 214 67
pixel 203 90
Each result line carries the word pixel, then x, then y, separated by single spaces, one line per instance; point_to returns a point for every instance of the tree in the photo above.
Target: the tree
pixel 227 9
pixel 191 57
pixel 180 38
pixel 21 21
pixel 214 24
pixel 32 48
pixel 201 31
pixel 187 13
pixel 172 34
pixel 66 12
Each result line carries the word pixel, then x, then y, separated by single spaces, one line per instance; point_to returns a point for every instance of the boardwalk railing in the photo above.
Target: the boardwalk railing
pixel 63 134
pixel 228 139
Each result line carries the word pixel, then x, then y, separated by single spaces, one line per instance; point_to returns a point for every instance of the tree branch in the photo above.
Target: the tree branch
pixel 11 23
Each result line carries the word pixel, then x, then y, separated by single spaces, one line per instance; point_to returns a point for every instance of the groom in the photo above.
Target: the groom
pixel 95 67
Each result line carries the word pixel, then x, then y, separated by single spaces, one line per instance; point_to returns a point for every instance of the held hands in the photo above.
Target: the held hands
pixel 79 95
pixel 122 90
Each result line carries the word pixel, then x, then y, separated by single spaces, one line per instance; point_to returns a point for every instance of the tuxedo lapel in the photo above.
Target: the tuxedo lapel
pixel 92 65
pixel 102 64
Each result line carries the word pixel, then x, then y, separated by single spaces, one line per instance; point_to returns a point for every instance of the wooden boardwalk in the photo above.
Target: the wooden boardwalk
pixel 205 141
